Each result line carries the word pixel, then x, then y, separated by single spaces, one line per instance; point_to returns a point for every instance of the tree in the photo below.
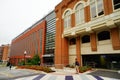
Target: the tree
pixel 35 60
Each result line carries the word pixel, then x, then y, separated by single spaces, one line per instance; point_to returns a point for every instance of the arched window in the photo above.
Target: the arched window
pixel 86 39
pixel 96 8
pixel 67 19
pixel 116 4
pixel 79 14
pixel 72 41
pixel 104 35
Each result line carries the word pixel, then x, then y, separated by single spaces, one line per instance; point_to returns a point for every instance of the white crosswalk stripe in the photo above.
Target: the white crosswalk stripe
pixel 60 77
pixel 27 78
pixel 46 77
pixel 76 77
pixel 91 77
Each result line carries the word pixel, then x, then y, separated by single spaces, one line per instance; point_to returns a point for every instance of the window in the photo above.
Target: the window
pixel 86 39
pixel 79 14
pixel 104 35
pixel 116 4
pixel 67 19
pixel 96 8
pixel 72 41
pixel 50 36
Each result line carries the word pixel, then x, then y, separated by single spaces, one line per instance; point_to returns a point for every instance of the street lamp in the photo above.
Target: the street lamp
pixel 24 56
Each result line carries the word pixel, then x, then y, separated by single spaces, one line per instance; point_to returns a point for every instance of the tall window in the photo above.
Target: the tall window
pixel 116 4
pixel 104 35
pixel 96 8
pixel 67 19
pixel 79 14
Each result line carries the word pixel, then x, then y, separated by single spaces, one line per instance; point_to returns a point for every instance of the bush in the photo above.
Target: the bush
pixel 84 69
pixel 34 67
pixel 21 63
pixel 70 66
pixel 35 60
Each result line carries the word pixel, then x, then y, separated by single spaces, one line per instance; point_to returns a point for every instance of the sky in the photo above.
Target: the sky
pixel 18 15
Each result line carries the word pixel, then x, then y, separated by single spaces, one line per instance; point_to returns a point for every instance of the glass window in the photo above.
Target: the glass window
pixel 50 36
pixel 79 14
pixel 104 35
pixel 72 41
pixel 86 39
pixel 67 19
pixel 116 4
pixel 96 8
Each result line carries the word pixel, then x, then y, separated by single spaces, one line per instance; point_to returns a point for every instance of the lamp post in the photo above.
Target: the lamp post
pixel 25 56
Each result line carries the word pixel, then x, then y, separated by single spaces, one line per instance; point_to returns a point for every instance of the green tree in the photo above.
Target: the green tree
pixel 35 60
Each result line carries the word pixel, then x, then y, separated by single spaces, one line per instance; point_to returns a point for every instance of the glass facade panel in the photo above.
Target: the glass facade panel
pixel 50 36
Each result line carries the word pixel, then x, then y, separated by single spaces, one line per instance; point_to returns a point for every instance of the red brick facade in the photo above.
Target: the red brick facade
pixel 27 42
pixel 61 51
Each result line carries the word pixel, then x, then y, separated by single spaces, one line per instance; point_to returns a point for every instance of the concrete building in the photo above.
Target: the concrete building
pixel 38 39
pixel 88 30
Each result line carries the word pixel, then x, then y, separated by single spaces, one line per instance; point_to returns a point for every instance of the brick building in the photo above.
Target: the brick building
pixel 88 30
pixel 1 52
pixel 4 52
pixel 38 39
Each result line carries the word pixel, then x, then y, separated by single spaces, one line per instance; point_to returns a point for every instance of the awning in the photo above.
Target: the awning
pixel 48 55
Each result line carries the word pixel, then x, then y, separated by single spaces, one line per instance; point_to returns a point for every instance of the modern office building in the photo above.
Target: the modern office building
pixel 37 39
pixel 88 30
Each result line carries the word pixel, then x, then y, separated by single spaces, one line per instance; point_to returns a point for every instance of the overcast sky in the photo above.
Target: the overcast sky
pixel 18 15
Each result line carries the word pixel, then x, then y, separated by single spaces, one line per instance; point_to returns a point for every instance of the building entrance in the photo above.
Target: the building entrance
pixel 49 61
pixel 111 61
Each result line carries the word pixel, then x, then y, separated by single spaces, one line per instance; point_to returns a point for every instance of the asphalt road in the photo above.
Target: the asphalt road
pixel 106 73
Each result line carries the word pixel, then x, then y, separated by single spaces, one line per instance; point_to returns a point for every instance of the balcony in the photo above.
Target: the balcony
pixel 108 21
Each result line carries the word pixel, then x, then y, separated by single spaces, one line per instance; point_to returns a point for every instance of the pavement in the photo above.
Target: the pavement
pixel 7 74
pixel 60 74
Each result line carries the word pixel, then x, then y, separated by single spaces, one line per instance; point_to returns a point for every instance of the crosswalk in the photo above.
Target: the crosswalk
pixel 65 77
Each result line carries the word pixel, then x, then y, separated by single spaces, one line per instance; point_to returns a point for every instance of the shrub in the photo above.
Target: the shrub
pixel 35 67
pixel 70 66
pixel 35 60
pixel 84 69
